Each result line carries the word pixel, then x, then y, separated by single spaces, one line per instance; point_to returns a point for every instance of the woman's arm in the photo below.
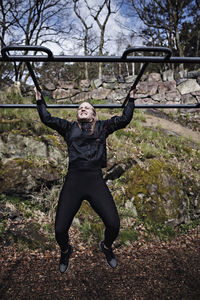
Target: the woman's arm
pixel 118 122
pixel 55 123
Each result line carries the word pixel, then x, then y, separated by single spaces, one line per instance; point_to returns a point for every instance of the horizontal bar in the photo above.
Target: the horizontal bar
pixel 52 106
pixel 106 59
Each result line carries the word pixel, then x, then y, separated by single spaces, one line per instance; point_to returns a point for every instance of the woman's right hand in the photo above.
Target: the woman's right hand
pixel 37 94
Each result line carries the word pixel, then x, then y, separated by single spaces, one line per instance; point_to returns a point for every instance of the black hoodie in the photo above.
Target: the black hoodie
pixel 86 150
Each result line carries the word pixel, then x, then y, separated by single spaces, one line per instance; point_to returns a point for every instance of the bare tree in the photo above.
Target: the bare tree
pixel 86 27
pixel 100 12
pixel 34 23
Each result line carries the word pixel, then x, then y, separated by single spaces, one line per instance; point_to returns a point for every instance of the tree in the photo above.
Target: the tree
pixel 163 21
pixel 86 29
pixel 33 22
pixel 96 14
pixel 94 32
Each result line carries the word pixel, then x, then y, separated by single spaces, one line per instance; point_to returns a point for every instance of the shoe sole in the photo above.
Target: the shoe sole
pixel 106 258
pixel 72 249
pixel 65 270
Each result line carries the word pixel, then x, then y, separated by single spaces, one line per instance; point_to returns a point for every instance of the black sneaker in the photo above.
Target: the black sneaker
pixel 110 257
pixel 64 259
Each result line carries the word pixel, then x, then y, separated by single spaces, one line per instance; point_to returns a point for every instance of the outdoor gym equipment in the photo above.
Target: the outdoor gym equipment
pixel 48 56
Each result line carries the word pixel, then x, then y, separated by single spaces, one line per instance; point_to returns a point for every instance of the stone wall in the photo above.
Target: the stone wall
pixel 153 88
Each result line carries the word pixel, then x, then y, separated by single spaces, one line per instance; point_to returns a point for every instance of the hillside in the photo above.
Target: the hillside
pixel 153 173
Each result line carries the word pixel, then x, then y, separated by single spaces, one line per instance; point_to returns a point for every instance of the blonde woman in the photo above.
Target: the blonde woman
pixel 86 141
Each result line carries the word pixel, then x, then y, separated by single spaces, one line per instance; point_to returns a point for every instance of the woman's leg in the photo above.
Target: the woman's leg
pixel 102 202
pixel 69 203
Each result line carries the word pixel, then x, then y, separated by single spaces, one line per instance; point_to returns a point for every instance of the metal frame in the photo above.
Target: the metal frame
pixel 49 57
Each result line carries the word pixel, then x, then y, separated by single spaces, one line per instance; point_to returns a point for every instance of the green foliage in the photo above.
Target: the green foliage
pixel 161 231
pixel 128 235
pixel 92 232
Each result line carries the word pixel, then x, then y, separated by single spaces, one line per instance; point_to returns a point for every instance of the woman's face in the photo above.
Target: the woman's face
pixel 85 112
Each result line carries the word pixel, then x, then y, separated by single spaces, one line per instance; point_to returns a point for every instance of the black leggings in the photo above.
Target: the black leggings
pixel 85 185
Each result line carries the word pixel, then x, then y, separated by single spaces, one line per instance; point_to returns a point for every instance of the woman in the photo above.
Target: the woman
pixel 86 141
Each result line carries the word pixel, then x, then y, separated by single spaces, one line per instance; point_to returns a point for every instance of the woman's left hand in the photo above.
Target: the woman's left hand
pixel 132 93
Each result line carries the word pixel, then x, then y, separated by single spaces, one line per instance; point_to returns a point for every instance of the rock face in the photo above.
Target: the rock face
pixel 23 176
pixel 160 196
pixel 27 163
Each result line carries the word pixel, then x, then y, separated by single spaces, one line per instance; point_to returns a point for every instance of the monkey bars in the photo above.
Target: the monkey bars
pixel 47 56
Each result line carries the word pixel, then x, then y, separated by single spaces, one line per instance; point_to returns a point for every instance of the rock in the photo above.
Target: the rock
pixel 188 86
pixel 167 86
pixel 144 101
pixel 63 93
pixel 67 85
pixel 16 146
pixel 183 74
pixel 110 85
pixel 19 146
pixel 154 77
pixel 100 93
pixel 158 193
pixel 85 83
pixel 131 208
pixel 97 83
pixel 50 86
pixel 147 88
pixel 173 96
pixel 159 97
pixel 117 95
pixel 22 176
pixel 188 98
pixel 193 74
pixel 115 172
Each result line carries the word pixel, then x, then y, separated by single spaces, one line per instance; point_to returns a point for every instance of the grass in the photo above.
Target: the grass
pixel 136 140
pixel 128 236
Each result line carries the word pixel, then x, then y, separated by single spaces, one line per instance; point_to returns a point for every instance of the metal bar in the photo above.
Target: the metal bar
pixel 113 59
pixel 138 106
pixel 106 59
pixel 31 72
pixel 136 82
pixel 6 55
pixel 147 49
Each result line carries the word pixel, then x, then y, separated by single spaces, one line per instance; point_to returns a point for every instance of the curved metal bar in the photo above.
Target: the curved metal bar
pixel 148 49
pixel 137 106
pixel 5 55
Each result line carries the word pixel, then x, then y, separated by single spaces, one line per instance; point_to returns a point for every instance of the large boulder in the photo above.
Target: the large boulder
pixel 23 176
pixel 159 195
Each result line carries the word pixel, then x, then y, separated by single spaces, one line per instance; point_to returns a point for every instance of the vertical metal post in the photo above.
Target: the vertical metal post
pixel 35 80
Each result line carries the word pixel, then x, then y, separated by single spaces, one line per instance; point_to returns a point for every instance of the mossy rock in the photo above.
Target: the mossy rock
pixel 29 236
pixel 157 191
pixel 23 175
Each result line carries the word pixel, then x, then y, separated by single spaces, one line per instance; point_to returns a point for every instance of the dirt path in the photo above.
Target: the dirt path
pixel 173 127
pixel 146 271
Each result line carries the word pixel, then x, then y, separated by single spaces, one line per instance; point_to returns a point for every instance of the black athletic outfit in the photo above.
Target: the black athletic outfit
pixel 84 180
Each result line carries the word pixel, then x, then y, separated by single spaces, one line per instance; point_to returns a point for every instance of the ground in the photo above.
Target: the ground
pixel 146 270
